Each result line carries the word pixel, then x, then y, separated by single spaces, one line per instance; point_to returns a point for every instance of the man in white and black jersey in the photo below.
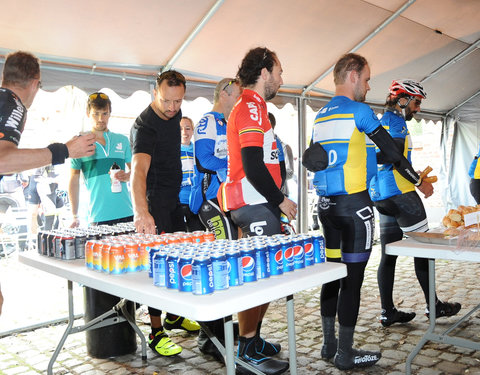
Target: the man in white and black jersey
pixel 20 84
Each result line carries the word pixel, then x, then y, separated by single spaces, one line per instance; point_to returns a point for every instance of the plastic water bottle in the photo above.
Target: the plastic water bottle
pixel 116 184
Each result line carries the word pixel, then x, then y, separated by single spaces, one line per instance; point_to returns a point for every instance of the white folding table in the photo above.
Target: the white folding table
pixel 413 248
pixel 221 304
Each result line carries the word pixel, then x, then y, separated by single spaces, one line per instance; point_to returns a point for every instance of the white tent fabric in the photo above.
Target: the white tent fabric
pixel 122 45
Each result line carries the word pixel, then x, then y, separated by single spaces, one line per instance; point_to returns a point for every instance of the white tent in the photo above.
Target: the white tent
pixel 122 44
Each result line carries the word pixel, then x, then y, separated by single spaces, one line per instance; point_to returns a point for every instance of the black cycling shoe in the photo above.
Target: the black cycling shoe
pixel 267 348
pixel 396 316
pixel 329 350
pixel 355 358
pixel 248 354
pixel 445 309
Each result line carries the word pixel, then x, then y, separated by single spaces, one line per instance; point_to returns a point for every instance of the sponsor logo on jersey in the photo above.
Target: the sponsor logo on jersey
pixel 256 227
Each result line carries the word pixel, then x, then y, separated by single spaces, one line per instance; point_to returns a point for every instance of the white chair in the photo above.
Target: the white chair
pixel 14 229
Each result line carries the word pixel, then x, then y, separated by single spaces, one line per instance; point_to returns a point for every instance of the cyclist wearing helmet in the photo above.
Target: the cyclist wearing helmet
pixel 474 173
pixel 400 207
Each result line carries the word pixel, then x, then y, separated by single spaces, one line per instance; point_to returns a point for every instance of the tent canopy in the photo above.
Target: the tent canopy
pixel 122 44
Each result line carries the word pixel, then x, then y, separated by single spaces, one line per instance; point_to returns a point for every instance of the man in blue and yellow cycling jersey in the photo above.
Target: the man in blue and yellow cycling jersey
pixel 474 173
pixel 347 130
pixel 400 207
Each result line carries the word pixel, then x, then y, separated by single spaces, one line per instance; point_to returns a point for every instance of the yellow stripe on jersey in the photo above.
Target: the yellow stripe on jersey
pixel 403 184
pixel 341 116
pixel 355 168
pixel 333 253
pixel 252 130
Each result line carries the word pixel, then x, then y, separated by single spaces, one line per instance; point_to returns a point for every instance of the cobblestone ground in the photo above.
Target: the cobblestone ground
pixel 32 297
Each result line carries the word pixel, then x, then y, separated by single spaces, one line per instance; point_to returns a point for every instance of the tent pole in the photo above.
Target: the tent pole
pixel 359 45
pixel 192 35
pixel 302 215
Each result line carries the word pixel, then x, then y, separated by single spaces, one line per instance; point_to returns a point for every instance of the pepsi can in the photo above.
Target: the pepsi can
pixel 276 258
pixel 308 250
pixel 202 275
pixel 80 240
pixel 159 264
pixel 185 273
pixel 298 254
pixel 262 261
pixel 220 271
pixel 319 249
pixel 151 253
pixel 287 250
pixel 172 269
pixel 234 267
pixel 249 264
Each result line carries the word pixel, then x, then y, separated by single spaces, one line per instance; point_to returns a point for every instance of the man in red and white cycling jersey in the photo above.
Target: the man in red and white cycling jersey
pixel 252 190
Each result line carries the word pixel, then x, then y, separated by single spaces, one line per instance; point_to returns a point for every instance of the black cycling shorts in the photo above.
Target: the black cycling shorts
pixel 216 222
pixel 257 220
pixel 407 209
pixel 475 189
pixel 348 226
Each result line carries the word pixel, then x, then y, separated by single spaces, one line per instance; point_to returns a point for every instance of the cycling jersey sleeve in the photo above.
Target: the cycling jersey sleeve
pixel 383 159
pixel 390 149
pixel 12 120
pixel 259 176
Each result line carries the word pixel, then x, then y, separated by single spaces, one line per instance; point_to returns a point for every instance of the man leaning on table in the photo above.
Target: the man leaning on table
pixel 20 83
pixel 156 180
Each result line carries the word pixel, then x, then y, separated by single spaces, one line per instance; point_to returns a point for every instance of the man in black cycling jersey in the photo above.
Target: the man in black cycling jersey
pixel 20 84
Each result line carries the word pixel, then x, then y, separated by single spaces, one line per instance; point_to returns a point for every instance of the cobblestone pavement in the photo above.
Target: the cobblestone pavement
pixel 32 297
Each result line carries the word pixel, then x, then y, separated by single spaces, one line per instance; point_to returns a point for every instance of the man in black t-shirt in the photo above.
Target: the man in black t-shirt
pixel 156 179
pixel 20 84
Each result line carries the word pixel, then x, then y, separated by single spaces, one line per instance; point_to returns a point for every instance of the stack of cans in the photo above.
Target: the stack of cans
pixel 203 268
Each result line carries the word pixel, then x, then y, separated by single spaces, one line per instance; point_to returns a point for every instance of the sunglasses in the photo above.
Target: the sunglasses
pixel 231 82
pixel 95 95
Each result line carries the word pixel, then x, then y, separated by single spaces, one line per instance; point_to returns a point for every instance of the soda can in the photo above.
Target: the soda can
pixel 80 240
pixel 68 245
pixel 172 270
pixel 249 264
pixel 51 244
pixel 262 261
pixel 131 256
pixel 308 250
pixel 202 275
pixel 144 255
pixel 185 273
pixel 117 259
pixel 151 253
pixel 40 242
pixel 105 261
pixel 159 262
pixel 298 254
pixel 287 250
pixel 97 256
pixel 234 267
pixel 276 258
pixel 58 248
pixel 89 253
pixel 220 270
pixel 198 236
pixel 319 248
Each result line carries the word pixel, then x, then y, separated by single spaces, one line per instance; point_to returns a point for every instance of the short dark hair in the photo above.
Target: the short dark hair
pixel 252 64
pixel 20 68
pixel 173 78
pixel 99 100
pixel 272 119
pixel 347 63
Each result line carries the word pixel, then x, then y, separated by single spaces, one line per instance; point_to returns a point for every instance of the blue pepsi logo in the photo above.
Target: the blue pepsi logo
pixel 297 251
pixel 248 263
pixel 186 271
pixel 278 257
pixel 288 253
pixel 308 248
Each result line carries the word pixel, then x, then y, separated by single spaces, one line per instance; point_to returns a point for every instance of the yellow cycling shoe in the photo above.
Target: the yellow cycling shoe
pixel 181 323
pixel 163 345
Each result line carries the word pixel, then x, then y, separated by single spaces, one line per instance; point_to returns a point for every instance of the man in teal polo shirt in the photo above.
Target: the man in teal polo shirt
pixel 106 205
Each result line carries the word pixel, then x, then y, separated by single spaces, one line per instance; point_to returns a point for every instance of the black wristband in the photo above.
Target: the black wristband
pixel 59 152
